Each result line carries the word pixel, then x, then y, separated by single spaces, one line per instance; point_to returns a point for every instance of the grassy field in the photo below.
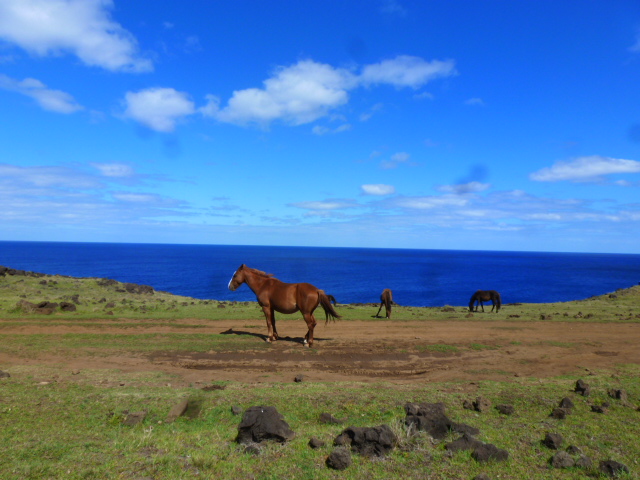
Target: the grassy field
pixel 57 423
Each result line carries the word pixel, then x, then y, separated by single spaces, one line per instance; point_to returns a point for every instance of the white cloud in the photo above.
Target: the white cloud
pixel 81 27
pixel 297 94
pixel 51 100
pixel 308 90
pixel 407 71
pixel 378 189
pixel 158 108
pixel 584 169
pixel 46 176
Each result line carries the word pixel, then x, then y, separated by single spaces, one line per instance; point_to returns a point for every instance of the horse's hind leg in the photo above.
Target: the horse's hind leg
pixel 381 304
pixel 311 324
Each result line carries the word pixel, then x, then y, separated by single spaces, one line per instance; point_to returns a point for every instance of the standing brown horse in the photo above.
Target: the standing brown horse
pixel 386 300
pixel 276 296
pixel 484 296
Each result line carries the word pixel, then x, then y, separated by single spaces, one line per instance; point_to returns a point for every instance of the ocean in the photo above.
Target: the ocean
pixel 353 275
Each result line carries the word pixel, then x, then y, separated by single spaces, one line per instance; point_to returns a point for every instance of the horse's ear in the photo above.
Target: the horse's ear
pixel 241 266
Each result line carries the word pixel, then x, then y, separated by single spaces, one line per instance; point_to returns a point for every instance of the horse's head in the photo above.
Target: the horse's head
pixel 238 278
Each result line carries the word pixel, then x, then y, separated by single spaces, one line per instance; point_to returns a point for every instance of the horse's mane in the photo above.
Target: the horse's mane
pixel 260 272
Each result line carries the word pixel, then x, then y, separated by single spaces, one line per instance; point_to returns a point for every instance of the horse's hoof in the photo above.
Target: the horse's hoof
pixel 306 345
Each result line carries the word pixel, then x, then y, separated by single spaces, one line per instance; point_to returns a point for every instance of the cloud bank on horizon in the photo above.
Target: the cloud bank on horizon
pixel 132 125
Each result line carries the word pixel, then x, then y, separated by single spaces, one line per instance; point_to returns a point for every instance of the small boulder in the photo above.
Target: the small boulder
pixel 263 423
pixel 316 443
pixel 562 460
pixel 177 410
pixel 505 409
pixel 329 419
pixel 339 459
pixel 612 468
pixel 134 418
pixel 487 452
pixel 582 388
pixel 368 441
pixel 553 441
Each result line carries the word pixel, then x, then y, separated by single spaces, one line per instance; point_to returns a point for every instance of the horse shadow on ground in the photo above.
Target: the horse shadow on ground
pixel 263 337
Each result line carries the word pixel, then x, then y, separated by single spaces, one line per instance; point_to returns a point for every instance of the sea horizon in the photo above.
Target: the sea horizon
pixel 418 277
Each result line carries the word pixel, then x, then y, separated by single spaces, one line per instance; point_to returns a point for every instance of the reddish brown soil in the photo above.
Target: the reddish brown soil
pixel 400 352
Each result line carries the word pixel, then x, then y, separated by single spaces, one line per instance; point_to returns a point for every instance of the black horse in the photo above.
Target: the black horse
pixel 484 296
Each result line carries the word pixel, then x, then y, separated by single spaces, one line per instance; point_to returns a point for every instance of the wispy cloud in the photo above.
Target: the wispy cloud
pixel 476 102
pixel 396 159
pixel 83 28
pixel 464 188
pixel 49 99
pixel 585 169
pixel 378 189
pixel 406 71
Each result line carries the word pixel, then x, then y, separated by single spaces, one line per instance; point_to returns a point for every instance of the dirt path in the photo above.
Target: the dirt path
pixel 373 351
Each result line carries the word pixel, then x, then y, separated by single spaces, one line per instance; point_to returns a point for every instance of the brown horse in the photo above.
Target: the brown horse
pixel 386 300
pixel 484 296
pixel 276 296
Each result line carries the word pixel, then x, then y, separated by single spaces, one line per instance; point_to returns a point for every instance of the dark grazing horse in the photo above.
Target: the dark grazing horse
pixel 386 300
pixel 276 296
pixel 484 296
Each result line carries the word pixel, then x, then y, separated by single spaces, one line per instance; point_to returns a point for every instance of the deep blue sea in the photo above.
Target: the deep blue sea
pixel 352 275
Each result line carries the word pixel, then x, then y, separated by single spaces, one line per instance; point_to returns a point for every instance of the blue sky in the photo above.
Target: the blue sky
pixel 488 125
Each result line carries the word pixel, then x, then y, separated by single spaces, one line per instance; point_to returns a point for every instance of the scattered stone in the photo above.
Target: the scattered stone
pixel 584 462
pixel 562 460
pixel 582 388
pixel 573 450
pixel 553 441
pixel 612 468
pixel 138 289
pixel 316 443
pixel 134 418
pixel 481 404
pixel 330 419
pixel 465 442
pixel 177 410
pixel 299 378
pixel 339 459
pixel 67 307
pixel 599 408
pixel 368 441
pixel 618 394
pixel 467 405
pixel 487 452
pixel 263 423
pixel 236 410
pixel 566 403
pixel 4 374
pixel 431 418
pixel 560 413
pixel 505 409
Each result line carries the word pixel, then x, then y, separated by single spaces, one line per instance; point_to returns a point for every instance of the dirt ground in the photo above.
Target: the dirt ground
pixel 401 352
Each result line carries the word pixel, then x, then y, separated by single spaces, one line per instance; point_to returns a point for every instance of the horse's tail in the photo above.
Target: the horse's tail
pixel 325 302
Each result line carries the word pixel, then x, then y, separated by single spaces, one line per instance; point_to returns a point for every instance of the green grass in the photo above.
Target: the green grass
pixel 75 430
pixel 56 424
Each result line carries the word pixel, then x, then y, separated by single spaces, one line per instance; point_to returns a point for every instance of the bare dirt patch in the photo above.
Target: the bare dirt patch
pixel 402 352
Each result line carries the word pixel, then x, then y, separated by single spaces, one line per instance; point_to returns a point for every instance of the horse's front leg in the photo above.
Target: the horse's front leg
pixel 269 317
pixel 311 324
